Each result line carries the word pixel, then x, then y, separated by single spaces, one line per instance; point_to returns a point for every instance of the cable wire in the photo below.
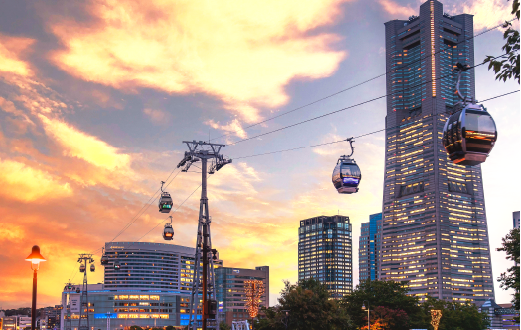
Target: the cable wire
pixel 352 106
pixel 361 83
pixel 359 136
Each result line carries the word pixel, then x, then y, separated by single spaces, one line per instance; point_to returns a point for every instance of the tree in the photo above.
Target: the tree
pixel 308 306
pixel 135 327
pixel 170 327
pixel 510 279
pixel 388 302
pixel 509 67
pixel 455 315
pixel 224 326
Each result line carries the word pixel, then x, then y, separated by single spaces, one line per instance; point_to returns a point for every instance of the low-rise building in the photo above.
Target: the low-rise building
pixel 231 290
pixel 24 322
pixel 501 316
pixel 150 287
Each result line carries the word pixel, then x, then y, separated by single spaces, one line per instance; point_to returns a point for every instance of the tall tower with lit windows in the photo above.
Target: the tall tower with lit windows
pixel 325 253
pixel 434 230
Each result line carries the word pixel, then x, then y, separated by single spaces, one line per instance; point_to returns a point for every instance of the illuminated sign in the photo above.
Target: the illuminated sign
pixel 236 271
pixel 117 247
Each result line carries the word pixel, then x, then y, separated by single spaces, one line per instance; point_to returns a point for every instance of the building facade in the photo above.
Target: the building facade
pixel 434 230
pixel 368 248
pixel 230 290
pixel 515 218
pixel 151 288
pixel 325 253
pixel 11 322
pixel 501 316
pixel 50 317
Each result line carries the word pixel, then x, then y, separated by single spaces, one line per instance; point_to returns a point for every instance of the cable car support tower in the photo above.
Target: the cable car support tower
pixel 68 289
pixel 84 303
pixel 204 151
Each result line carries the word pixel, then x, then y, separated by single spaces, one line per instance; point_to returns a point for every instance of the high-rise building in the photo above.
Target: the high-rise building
pixel 434 230
pixel 324 253
pixel 515 217
pixel 231 290
pixel 368 245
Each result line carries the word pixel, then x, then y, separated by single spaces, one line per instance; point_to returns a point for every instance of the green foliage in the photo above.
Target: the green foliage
pixel 224 326
pixel 456 316
pixel 388 301
pixel 309 307
pixel 510 279
pixel 508 67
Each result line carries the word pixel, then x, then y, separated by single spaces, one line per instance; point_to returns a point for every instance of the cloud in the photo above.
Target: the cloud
pixel 487 13
pixel 234 127
pixel 86 147
pixel 156 116
pixel 28 184
pixel 244 52
pixel 394 8
pixel 11 52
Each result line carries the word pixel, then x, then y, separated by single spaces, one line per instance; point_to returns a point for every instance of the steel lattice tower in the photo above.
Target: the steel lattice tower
pixel 84 303
pixel 204 151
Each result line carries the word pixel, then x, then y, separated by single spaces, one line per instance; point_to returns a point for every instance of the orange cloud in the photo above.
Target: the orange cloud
pixel 11 51
pixel 393 8
pixel 24 183
pixel 86 147
pixel 243 52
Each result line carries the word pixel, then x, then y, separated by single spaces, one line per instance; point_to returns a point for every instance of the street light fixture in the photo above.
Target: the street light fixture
pixel 368 312
pixel 35 258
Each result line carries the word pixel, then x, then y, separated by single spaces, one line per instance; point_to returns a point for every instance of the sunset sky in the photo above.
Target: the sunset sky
pixel 96 97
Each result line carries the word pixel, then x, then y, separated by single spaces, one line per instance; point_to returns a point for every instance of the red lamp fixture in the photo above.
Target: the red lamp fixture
pixel 35 258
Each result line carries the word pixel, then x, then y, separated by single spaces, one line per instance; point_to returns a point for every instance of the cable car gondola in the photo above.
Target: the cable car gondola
pixel 168 232
pixel 82 268
pixel 104 259
pixel 346 175
pixel 165 201
pixel 92 268
pixel 470 133
pixel 117 266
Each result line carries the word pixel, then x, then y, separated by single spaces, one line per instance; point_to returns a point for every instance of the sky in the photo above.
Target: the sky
pixel 96 97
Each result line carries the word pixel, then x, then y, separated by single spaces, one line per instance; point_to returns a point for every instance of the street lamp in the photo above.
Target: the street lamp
pixel 286 318
pixel 35 258
pixel 368 311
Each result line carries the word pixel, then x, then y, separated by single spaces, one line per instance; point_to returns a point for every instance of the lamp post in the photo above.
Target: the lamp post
pixel 35 258
pixel 368 312
pixel 286 318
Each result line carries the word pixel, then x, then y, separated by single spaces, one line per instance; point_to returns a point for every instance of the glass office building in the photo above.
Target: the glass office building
pixel 152 287
pixel 434 231
pixel 368 248
pixel 324 253
pixel 231 290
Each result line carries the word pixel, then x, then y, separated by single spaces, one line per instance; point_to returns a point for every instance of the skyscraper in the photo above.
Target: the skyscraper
pixel 324 253
pixel 434 230
pixel 368 248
